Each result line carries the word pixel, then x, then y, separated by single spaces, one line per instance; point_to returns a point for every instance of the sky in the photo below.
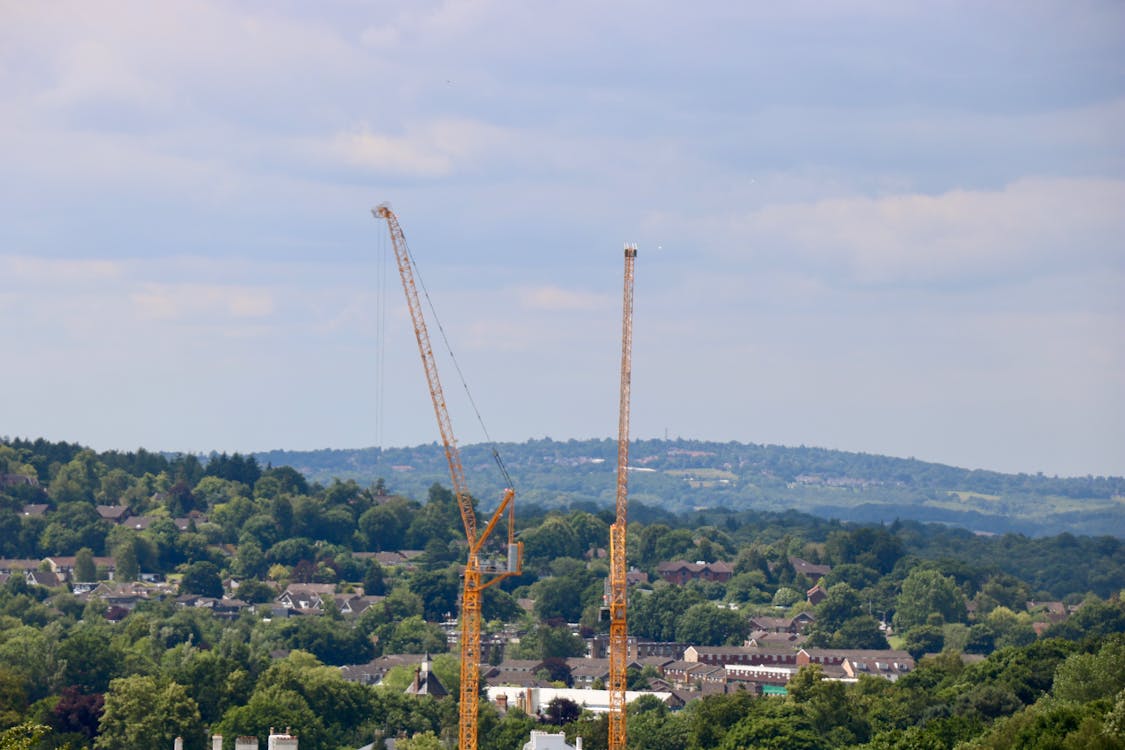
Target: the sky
pixel 884 227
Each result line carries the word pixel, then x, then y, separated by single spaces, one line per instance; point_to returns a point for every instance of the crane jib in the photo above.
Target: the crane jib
pixel 474 581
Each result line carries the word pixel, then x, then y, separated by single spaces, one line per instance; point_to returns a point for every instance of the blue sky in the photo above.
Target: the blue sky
pixel 895 228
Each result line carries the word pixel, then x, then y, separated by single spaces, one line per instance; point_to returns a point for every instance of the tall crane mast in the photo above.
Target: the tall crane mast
pixel 618 629
pixel 474 578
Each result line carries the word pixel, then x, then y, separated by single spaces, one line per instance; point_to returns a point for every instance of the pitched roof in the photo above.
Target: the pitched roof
pixel 43 578
pixel 811 570
pixel 426 682
pixel 113 512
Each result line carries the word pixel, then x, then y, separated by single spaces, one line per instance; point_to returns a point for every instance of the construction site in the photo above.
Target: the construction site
pixel 482 571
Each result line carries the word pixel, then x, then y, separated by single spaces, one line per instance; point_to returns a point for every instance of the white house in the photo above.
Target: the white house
pixel 547 741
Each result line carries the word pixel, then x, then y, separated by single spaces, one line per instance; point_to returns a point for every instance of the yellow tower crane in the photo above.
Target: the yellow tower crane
pixel 618 629
pixel 475 580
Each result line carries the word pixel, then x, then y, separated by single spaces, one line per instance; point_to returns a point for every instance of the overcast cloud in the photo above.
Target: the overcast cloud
pixel 882 227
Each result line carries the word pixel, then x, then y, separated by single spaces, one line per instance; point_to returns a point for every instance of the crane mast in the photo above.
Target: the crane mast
pixel 474 580
pixel 618 630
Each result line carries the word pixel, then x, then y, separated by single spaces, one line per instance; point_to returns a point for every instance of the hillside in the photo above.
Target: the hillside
pixel 681 475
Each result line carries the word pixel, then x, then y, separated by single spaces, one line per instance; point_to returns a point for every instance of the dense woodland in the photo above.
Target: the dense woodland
pixel 684 475
pixel 73 674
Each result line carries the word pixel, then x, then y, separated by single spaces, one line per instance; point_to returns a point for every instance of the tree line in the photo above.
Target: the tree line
pixel 163 670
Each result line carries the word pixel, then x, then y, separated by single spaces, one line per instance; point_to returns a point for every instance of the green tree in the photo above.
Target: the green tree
pixel 414 635
pixel 143 712
pixel 1088 677
pixel 202 578
pixel 332 641
pixel 269 707
pixel 77 480
pixel 709 718
pixel 859 632
pixel 438 590
pixel 653 727
pixel 1010 628
pixel 384 526
pixel 249 560
pixel 925 593
pixel 374 579
pixel 422 741
pixel 870 546
pixel 708 625
pixel 786 597
pixel 558 598
pixel 13 697
pixel 546 642
pixel 90 656
pixel 841 605
pixel 84 568
pixel 924 639
pixel 552 539
pixel 654 615
pixel 125 558
pixel 511 731
pixel 25 736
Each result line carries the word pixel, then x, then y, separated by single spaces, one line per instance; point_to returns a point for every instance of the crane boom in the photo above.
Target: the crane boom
pixel 474 582
pixel 618 628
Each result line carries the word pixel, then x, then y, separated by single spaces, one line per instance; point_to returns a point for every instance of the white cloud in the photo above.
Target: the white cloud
pixel 22 272
pixel 553 298
pixel 960 235
pixel 430 149
pixel 196 302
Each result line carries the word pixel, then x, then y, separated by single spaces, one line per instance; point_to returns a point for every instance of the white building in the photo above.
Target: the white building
pixel 533 700
pixel 281 741
pixel 547 741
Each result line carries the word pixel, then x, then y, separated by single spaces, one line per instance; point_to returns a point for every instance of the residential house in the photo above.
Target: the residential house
pixel 34 510
pixel 113 513
pixel 816 595
pixel 139 523
pixel 696 676
pixel 12 566
pixel 353 605
pixel 680 572
pixel 125 596
pixel 520 672
pixel 772 640
pixel 770 655
pixel 63 566
pixel 226 609
pixel 1054 611
pixel 193 518
pixel 399 559
pixel 585 672
pixel 375 670
pixel 811 571
pixel 306 597
pixel 796 624
pixel 42 578
pixel 850 663
pixel 635 577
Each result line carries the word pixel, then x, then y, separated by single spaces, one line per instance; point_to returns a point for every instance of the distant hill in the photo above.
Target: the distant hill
pixel 682 475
